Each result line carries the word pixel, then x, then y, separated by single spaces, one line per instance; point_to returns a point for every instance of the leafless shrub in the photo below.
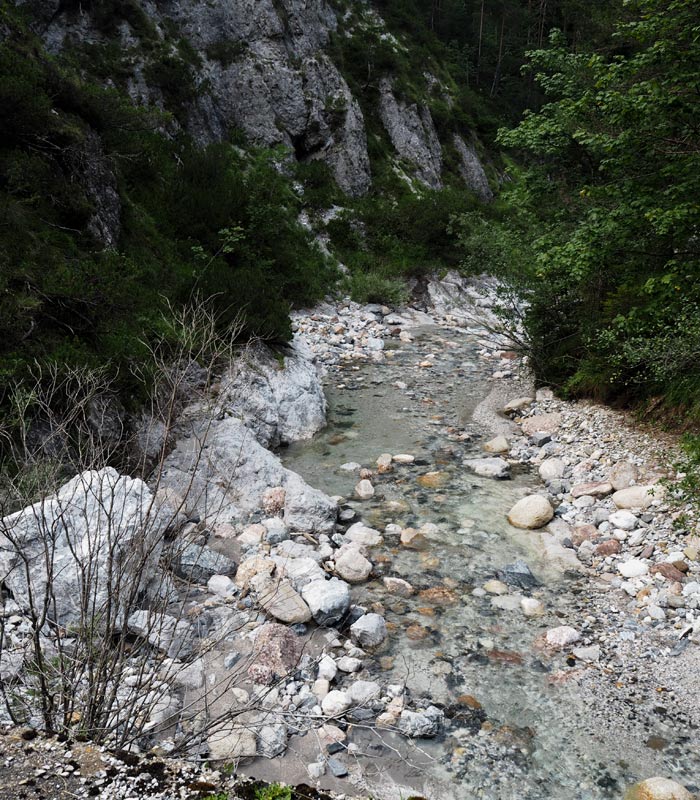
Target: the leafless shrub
pixel 103 625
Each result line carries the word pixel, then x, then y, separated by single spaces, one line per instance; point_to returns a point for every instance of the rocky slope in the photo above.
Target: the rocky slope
pixel 264 69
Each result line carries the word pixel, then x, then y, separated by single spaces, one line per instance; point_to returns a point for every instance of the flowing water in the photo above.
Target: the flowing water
pixel 519 729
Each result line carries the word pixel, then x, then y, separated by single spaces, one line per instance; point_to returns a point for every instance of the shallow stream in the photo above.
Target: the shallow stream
pixel 519 728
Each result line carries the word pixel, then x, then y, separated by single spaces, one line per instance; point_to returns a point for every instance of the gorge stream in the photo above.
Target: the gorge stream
pixel 516 731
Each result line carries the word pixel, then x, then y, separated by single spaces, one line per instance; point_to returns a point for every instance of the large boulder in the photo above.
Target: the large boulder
pixel 97 541
pixel 279 397
pixel 637 496
pixel 225 473
pixel 531 512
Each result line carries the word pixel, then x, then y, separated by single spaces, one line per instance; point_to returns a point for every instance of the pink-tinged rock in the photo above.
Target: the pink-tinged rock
pixel 584 533
pixel 541 423
pixel 623 475
pixel 608 548
pixel 563 636
pixel 669 571
pixel 598 489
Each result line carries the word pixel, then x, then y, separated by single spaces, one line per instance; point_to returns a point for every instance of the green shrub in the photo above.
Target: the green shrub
pixel 274 791
pixel 369 287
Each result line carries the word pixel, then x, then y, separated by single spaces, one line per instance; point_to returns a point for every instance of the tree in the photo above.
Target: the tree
pixel 615 303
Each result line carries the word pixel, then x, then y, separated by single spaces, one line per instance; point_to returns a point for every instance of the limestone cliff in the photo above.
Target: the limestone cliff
pixel 260 67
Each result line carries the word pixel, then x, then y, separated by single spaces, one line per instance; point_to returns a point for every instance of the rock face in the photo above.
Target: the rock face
pixel 471 169
pixel 280 399
pixel 100 519
pixel 224 472
pixel 531 512
pixel 263 71
pixel 413 134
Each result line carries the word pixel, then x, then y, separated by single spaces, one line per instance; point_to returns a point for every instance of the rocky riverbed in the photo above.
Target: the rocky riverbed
pixel 457 587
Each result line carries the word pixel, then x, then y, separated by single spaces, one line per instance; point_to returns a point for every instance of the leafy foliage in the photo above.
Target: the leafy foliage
pixel 613 198
pixel 217 222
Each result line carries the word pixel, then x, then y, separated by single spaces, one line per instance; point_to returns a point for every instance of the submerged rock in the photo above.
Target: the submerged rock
pixel 422 724
pixel 518 574
pixel 497 468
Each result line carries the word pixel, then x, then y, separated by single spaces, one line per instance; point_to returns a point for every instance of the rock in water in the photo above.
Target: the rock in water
pixel 531 512
pixel 352 566
pixel 280 399
pixel 658 789
pixel 364 490
pixel 369 631
pixel 497 445
pixel 497 468
pixel 423 724
pixel 329 601
pixel 518 574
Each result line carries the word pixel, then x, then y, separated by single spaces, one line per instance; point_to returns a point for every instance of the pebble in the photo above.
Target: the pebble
pixel 562 636
pixel 364 489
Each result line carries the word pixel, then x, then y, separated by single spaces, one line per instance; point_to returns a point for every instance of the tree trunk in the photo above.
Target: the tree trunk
pixel 478 52
pixel 497 71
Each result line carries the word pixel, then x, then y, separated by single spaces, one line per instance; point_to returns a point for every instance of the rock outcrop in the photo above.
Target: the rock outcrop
pixel 412 132
pixel 224 473
pixel 97 539
pixel 280 398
